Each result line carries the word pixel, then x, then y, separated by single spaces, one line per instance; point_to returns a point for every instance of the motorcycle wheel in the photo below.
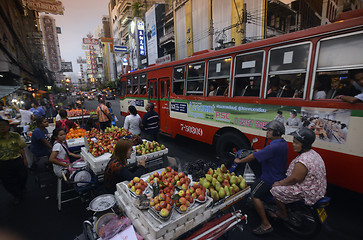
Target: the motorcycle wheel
pixel 303 220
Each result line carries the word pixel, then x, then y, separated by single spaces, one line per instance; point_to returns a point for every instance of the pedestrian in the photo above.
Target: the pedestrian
pixel 273 160
pixel 40 145
pixel 133 121
pixel 104 116
pixel 150 123
pixel 116 170
pixel 113 117
pixel 26 116
pixel 64 122
pixel 37 110
pixel 60 156
pixel 13 162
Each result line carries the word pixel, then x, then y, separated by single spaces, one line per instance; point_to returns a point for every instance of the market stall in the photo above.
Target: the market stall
pixel 154 224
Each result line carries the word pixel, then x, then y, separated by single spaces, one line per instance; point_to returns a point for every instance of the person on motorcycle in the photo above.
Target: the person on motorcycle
pixel 306 175
pixel 273 160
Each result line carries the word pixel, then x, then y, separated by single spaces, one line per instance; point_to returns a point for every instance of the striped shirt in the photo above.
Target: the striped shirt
pixel 151 122
pixel 102 116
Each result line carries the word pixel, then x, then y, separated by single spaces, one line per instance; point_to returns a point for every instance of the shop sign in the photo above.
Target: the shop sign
pixel 50 40
pixel 48 6
pixel 119 48
pixel 92 41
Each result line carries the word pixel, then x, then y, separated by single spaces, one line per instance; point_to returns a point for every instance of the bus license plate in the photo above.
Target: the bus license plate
pixel 322 214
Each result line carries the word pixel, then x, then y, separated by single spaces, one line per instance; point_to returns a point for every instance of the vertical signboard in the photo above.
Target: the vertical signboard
pixel 151 35
pixel 50 43
pixel 133 45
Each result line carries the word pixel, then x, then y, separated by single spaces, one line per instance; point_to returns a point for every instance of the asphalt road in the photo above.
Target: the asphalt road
pixel 38 219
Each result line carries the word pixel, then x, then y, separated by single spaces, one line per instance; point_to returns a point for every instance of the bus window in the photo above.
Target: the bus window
pixel 123 89
pixel 289 64
pixel 218 77
pixel 162 90
pixel 129 86
pixel 195 79
pixel 135 85
pixel 332 75
pixel 156 90
pixel 151 90
pixel 143 84
pixel 248 72
pixel 178 80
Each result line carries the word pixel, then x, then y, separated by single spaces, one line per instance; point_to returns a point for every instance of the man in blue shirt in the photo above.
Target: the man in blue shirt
pixel 37 111
pixel 273 160
pixel 40 145
pixel 150 123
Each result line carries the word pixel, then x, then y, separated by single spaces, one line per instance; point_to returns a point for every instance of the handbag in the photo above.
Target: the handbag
pixel 71 158
pixel 109 118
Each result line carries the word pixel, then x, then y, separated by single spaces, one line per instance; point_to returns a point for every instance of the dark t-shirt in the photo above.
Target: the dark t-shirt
pixel 273 159
pixel 151 122
pixel 115 172
pixel 37 147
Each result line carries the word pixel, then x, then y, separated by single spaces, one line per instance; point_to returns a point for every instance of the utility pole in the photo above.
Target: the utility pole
pixel 211 25
pixel 244 22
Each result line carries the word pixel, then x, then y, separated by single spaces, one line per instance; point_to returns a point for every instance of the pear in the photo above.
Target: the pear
pixel 210 171
pixel 233 174
pixel 214 195
pixel 221 193
pixel 217 186
pixel 220 178
pixel 223 168
pixel 214 181
pixel 231 190
pixel 235 187
pixel 206 184
pixel 243 184
pixel 226 189
pixel 238 180
pixel 208 192
pixel 209 177
pixel 201 181
pixel 233 180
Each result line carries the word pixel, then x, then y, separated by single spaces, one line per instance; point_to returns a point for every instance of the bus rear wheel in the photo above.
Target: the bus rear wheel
pixel 227 143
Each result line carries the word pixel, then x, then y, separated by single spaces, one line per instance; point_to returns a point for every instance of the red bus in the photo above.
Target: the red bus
pixel 225 97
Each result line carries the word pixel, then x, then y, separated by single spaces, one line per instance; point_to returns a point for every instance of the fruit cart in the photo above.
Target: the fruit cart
pixel 151 226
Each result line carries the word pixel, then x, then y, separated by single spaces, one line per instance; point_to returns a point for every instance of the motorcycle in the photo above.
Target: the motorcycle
pixel 303 220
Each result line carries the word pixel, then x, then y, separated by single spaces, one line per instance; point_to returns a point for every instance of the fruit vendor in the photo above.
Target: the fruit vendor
pixel 273 160
pixel 116 170
pixel 40 145
pixel 64 122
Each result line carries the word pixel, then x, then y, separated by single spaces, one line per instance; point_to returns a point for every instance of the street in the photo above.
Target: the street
pixel 39 219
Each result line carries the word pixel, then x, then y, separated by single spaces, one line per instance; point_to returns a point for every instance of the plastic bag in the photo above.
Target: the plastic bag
pixel 114 226
pixel 248 174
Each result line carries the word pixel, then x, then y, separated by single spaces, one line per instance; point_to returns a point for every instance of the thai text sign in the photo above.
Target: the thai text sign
pixel 49 6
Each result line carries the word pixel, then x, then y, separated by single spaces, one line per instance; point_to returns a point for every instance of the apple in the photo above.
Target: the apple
pixel 182 180
pixel 168 169
pixel 187 204
pixel 162 197
pixel 152 202
pixel 182 200
pixel 138 185
pixel 176 178
pixel 194 195
pixel 169 206
pixel 198 191
pixel 133 188
pixel 164 212
pixel 183 208
pixel 138 192
pixel 201 198
pixel 156 174
pixel 163 204
pixel 156 199
pixel 184 186
pixel 178 183
pixel 195 185
pixel 191 190
pixel 181 175
pixel 181 193
pixel 157 207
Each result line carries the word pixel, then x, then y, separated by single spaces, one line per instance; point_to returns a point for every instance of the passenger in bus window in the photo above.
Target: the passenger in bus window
pixel 299 85
pixel 143 90
pixel 213 88
pixel 136 92
pixel 334 88
pixel 274 86
pixel 356 77
pixel 321 86
pixel 279 117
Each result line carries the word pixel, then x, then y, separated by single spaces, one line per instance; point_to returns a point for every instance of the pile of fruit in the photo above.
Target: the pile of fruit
pixel 75 133
pixel 105 141
pixel 220 183
pixel 137 185
pixel 148 147
pixel 77 112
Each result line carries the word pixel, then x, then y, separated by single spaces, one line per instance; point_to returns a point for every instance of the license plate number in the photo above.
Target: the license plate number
pixel 322 214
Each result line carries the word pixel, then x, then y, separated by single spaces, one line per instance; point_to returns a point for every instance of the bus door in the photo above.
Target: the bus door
pixel 153 94
pixel 164 97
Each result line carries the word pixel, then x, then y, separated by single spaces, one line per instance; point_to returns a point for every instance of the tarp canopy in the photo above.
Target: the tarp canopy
pixel 6 90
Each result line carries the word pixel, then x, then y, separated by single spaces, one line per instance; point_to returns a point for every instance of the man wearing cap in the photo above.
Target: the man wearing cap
pixel 273 160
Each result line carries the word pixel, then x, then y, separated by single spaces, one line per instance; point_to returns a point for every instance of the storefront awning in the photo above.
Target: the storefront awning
pixel 6 90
